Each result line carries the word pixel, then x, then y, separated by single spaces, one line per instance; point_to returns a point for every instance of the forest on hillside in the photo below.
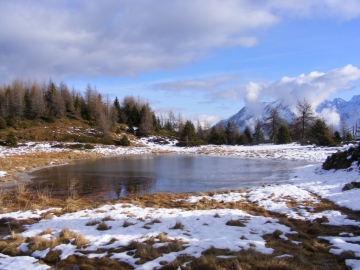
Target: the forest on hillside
pixel 48 102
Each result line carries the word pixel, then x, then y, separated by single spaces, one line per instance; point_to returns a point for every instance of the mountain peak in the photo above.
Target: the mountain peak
pixel 348 110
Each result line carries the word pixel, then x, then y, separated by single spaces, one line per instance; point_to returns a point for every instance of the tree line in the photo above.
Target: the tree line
pixel 49 101
pixel 305 128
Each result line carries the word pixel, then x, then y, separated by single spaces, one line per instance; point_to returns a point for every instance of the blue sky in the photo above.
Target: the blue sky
pixel 205 59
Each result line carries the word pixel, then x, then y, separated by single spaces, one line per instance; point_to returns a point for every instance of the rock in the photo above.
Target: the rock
pixel 351 185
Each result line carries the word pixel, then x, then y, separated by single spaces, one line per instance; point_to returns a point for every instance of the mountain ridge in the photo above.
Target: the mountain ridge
pixel 347 110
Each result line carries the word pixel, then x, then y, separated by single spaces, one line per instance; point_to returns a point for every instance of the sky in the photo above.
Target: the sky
pixel 203 59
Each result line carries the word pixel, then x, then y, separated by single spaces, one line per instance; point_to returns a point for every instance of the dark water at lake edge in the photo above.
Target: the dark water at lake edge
pixel 120 176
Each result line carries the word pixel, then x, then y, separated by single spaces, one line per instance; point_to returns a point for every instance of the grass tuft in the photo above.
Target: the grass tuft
pixel 237 223
pixel 178 226
pixel 80 241
pixel 92 222
pixel 39 243
pixel 127 224
pixel 52 256
pixel 108 218
pixel 277 233
pixel 103 227
pixel 72 188
pixel 145 252
pixel 163 237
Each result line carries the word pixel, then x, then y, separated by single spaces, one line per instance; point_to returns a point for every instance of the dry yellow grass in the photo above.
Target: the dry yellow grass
pixel 20 163
pixel 11 244
pixel 311 253
pixel 39 243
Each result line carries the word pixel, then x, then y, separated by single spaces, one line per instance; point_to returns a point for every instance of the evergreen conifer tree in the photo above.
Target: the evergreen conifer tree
pixel 248 134
pixel 283 135
pixel 258 135
pixel 214 136
pixel 337 137
pixel 232 133
pixel 124 141
pixel 188 136
pixel 320 134
pixel 242 140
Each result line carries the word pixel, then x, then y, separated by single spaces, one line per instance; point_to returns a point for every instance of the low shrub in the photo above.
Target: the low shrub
pixel 86 139
pixel 76 146
pixel 124 141
pixel 107 141
pixel 88 146
pixel 11 139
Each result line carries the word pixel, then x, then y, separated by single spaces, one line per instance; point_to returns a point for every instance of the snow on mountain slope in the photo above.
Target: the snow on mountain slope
pixel 329 110
pixel 349 110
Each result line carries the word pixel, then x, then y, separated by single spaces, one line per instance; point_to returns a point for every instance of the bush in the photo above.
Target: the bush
pixel 11 122
pixel 11 139
pixel 2 123
pixel 88 146
pixel 124 141
pixel 76 146
pixel 86 139
pixel 107 141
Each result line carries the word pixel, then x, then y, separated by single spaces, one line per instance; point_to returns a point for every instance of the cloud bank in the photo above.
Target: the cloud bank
pixel 314 87
pixel 72 38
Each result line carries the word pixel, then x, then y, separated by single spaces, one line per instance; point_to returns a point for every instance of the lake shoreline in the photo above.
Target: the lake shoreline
pixel 274 223
pixel 41 154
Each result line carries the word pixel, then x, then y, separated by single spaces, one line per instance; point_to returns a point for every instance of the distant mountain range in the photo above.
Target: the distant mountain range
pixel 349 110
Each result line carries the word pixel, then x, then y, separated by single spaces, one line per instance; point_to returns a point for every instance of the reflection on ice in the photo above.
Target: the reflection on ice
pixel 138 174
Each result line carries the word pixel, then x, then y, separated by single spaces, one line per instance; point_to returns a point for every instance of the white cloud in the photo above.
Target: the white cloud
pixel 67 38
pixel 314 87
pixel 191 84
pixel 331 117
pixel 342 10
pixel 207 119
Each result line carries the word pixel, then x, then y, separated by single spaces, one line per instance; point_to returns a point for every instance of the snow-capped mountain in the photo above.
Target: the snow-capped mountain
pixel 349 110
pixel 248 117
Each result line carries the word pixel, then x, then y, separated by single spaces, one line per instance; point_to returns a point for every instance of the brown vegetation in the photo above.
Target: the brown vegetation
pixel 310 253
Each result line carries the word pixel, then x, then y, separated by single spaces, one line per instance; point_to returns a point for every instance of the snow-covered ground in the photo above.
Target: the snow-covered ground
pixel 205 228
pixel 292 151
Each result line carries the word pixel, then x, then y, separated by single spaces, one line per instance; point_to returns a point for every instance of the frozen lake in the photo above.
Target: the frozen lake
pixel 119 176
